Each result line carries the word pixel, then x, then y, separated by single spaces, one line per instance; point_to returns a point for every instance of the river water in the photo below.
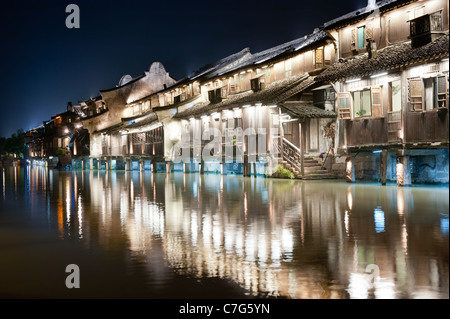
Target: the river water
pixel 143 235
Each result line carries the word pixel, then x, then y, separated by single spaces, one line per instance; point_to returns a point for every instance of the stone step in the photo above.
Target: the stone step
pixel 314 169
pixel 311 164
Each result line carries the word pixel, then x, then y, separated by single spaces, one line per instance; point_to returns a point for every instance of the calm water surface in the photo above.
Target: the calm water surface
pixel 138 235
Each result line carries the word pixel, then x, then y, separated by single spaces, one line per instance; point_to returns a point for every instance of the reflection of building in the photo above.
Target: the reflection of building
pixel 272 237
pixel 392 91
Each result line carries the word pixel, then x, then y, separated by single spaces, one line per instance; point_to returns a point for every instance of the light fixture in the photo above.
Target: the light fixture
pixel 272 106
pixel 246 105
pixel 353 80
pixel 377 151
pixel 378 75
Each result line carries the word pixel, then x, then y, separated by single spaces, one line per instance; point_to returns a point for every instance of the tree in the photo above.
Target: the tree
pixel 15 144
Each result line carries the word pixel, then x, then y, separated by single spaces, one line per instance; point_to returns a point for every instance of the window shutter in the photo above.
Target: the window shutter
pixel 369 33
pixel 416 94
pixel 376 102
pixel 441 90
pixel 353 39
pixel 211 96
pixel 218 97
pixel 344 105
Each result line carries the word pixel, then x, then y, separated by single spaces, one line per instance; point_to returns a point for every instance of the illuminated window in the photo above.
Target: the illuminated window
pixel 361 38
pixel 288 68
pixel 136 108
pixel 361 103
pixel 267 75
pixel 396 96
pixel 318 57
pixel 343 99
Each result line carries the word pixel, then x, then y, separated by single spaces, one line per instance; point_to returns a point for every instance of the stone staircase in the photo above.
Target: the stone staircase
pixel 313 169
pixel 291 160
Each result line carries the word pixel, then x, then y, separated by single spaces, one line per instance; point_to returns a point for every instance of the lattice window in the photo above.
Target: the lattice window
pixel 415 95
pixel 344 101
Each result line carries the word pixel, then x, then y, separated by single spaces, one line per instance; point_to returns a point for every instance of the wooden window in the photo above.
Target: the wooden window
pixel 416 94
pixel 196 88
pixel 441 91
pixel 146 106
pixel 237 82
pixel 243 83
pixel 362 103
pixel 395 88
pixel 267 75
pixel 361 37
pixel 288 68
pixel 377 109
pixel 136 109
pixel 319 58
pixel 344 105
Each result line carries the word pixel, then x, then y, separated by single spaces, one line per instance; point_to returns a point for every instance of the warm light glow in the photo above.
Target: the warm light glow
pixel 353 80
pixel 378 75
pixel 349 198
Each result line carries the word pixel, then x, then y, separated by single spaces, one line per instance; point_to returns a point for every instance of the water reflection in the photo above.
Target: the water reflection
pixel 272 237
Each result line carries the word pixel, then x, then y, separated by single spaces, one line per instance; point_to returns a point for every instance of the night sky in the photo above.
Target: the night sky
pixel 44 64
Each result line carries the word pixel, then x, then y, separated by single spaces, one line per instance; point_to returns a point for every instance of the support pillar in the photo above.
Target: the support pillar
pixel 91 163
pixel 302 130
pixel 383 166
pixel 403 171
pixel 350 169
pixel 127 164
pixel 168 167
pixel 107 164
pixel 141 165
pixel 246 166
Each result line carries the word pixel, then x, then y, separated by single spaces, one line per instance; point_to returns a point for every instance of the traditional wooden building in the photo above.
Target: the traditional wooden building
pixel 110 118
pixel 267 96
pixel 57 140
pixel 391 79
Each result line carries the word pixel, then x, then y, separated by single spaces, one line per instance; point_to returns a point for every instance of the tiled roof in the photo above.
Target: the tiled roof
pixel 388 58
pixel 274 93
pixel 301 110
pixel 363 12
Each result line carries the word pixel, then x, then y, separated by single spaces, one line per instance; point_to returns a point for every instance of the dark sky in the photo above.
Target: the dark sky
pixel 44 64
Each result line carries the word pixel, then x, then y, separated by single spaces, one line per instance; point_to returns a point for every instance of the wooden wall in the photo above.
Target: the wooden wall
pixel 426 127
